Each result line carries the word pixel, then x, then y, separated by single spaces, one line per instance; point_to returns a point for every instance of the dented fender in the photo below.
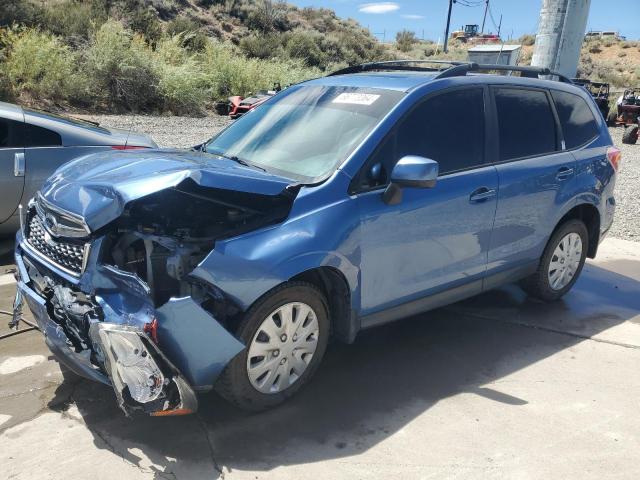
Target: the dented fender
pixel 190 337
pixel 194 341
pixel 247 266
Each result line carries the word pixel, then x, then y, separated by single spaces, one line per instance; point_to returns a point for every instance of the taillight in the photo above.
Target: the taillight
pixel 614 155
pixel 127 147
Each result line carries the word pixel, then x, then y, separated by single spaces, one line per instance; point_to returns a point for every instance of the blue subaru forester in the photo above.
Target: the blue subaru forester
pixel 340 204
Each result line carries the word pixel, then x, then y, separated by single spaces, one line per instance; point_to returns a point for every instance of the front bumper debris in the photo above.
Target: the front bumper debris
pixel 159 378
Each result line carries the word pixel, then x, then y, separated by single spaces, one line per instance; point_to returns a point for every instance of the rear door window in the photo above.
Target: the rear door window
pixel 526 124
pixel 576 119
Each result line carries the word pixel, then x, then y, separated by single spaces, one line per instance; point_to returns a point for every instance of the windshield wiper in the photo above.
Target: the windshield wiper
pixel 240 161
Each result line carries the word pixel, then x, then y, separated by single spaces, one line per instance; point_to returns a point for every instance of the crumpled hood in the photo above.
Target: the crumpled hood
pixel 98 186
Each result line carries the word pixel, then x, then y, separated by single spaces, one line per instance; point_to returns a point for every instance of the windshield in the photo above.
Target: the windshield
pixel 305 132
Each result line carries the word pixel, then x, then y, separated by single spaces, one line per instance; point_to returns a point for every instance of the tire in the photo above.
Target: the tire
pixel 539 284
pixel 240 387
pixel 630 135
pixel 612 118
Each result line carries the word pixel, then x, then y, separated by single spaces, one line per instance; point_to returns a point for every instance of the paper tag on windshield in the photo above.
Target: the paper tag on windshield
pixel 356 98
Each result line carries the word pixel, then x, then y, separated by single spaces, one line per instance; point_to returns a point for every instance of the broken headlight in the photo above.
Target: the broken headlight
pixel 128 361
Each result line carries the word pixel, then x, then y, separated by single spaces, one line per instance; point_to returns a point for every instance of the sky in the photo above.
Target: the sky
pixel 427 17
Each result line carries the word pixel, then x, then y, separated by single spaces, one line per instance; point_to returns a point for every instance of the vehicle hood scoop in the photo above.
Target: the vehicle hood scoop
pixel 99 186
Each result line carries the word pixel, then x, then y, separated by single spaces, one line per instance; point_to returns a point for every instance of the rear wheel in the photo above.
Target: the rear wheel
pixel 630 135
pixel 561 262
pixel 286 334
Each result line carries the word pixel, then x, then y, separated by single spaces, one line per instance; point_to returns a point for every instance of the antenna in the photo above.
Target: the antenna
pixel 133 119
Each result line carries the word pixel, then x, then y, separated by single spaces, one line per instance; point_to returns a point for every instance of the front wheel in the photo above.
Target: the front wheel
pixel 286 334
pixel 561 262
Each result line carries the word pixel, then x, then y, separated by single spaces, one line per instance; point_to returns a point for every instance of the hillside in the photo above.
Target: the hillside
pixel 181 56
pixel 173 56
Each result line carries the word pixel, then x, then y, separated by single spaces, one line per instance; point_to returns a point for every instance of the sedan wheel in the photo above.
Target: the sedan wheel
pixel 282 348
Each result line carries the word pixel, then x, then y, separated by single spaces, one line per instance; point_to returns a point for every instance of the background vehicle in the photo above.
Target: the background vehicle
pixel 342 203
pixel 627 113
pixel 239 105
pixel 34 143
pixel 470 34
pixel 600 93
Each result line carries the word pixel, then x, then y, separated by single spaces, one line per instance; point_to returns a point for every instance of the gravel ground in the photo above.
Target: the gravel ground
pixel 627 220
pixel 189 131
pixel 177 132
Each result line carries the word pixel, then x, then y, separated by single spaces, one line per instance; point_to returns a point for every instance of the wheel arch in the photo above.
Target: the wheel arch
pixel 335 287
pixel 589 214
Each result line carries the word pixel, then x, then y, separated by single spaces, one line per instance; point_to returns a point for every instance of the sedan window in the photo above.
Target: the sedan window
pixel 40 137
pixel 10 133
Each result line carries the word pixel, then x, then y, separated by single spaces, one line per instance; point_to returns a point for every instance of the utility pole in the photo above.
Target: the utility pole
pixel 560 35
pixel 484 18
pixel 446 31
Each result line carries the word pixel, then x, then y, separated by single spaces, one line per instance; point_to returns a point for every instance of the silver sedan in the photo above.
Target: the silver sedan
pixel 33 144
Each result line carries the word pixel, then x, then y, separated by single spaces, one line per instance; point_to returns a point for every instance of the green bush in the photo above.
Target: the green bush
pixel 595 47
pixel 145 22
pixel 527 39
pixel 405 40
pixel 121 69
pixel 231 74
pixel 39 65
pixel 262 46
pixel 20 12
pixel 304 46
pixel 193 38
pixel 75 20
pixel 182 85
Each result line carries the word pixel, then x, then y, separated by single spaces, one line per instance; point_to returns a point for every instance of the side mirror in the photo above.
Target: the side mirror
pixel 410 171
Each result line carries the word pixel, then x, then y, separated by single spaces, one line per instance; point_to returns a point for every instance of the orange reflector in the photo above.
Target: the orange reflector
pixel 169 413
pixel 614 155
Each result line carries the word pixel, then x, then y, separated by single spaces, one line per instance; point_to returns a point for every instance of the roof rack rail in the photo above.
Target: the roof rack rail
pixel 457 68
pixel 396 65
pixel 525 70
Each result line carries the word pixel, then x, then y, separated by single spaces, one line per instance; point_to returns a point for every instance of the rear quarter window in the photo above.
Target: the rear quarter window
pixel 10 133
pixel 35 136
pixel 578 124
pixel 526 123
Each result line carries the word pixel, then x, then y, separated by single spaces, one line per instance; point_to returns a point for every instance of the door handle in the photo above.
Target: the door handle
pixel 481 194
pixel 18 165
pixel 564 173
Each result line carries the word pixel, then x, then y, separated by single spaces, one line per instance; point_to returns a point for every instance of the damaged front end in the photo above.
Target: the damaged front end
pixel 118 304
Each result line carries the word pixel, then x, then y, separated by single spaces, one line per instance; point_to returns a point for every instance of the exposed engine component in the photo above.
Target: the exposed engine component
pixel 74 311
pixel 163 237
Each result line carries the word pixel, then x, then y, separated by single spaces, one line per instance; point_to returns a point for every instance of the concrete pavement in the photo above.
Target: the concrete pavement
pixel 499 386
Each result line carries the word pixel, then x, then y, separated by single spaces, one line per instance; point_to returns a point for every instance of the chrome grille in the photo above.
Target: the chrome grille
pixel 69 256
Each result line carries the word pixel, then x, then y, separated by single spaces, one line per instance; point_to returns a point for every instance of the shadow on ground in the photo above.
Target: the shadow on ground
pixel 367 391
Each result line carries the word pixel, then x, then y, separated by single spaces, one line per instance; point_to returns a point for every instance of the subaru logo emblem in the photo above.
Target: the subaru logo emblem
pixel 48 240
pixel 51 223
